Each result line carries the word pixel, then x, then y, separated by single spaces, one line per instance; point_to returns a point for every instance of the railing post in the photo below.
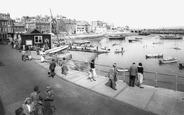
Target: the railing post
pixel 79 65
pixel 124 76
pixel 176 82
pixel 99 70
pixel 156 85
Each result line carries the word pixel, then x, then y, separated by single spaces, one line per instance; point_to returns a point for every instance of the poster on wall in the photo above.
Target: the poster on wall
pixel 29 42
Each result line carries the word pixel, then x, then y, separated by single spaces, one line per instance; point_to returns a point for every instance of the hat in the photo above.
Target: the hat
pixel 27 99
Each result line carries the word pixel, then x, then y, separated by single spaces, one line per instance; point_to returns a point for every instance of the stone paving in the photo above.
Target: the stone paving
pixel 157 100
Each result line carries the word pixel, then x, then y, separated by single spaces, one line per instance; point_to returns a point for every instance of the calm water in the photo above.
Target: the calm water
pixel 135 52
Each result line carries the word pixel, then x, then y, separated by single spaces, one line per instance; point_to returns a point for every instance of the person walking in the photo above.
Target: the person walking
pixel 42 54
pixel 140 71
pixel 23 55
pixel 49 101
pixel 12 44
pixel 93 71
pixel 52 68
pixel 113 76
pixel 132 74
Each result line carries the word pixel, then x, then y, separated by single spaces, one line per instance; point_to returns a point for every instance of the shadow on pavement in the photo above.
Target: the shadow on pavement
pixel 2 111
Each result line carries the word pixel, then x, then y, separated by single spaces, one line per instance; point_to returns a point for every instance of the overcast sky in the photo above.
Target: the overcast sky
pixel 134 13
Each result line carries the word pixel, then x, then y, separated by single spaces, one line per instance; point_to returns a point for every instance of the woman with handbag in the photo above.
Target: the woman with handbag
pixel 113 76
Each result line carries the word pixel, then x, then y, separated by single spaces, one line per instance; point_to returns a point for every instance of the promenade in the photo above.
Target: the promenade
pixel 155 100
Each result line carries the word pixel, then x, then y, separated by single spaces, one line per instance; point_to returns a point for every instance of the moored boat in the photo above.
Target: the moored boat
pixel 119 51
pixel 133 40
pixel 154 56
pixel 168 60
pixel 171 37
pixel 116 37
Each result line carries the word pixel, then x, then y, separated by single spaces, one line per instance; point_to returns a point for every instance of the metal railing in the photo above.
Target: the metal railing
pixel 168 81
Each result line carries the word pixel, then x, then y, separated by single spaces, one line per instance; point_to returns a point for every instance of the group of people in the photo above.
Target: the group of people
pixel 37 103
pixel 135 75
pixel 62 64
pixel 26 55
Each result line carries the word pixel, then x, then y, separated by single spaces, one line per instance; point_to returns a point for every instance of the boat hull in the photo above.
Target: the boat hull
pixel 117 38
pixel 168 61
pixel 154 56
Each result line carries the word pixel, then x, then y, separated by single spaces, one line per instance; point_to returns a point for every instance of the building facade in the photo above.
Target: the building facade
pixel 6 26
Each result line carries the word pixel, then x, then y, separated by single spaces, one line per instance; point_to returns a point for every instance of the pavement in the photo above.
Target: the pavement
pixel 17 79
pixel 155 100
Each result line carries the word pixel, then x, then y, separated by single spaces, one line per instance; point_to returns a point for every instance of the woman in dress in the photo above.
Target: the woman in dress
pixel 28 107
pixel 113 76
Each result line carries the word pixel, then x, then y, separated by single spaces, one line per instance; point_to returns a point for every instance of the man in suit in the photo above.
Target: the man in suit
pixel 132 74
pixel 52 68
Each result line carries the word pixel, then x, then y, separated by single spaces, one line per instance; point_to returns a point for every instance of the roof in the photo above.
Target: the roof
pixel 32 31
pixel 4 18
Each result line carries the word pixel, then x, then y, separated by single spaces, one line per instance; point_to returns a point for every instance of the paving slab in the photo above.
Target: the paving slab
pixel 74 77
pixel 163 102
pixel 104 88
pixel 85 82
pixel 10 109
pixel 136 96
pixel 179 108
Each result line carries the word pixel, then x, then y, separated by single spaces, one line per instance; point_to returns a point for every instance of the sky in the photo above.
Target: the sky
pixel 133 13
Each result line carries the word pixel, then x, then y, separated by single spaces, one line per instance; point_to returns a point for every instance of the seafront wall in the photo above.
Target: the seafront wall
pixel 78 36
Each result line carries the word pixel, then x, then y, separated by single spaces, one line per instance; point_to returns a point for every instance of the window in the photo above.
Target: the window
pixel 38 39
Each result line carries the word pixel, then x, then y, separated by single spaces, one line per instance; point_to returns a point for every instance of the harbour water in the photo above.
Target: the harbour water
pixel 136 52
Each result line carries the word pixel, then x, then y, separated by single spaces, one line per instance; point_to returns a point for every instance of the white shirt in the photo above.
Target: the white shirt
pixel 29 107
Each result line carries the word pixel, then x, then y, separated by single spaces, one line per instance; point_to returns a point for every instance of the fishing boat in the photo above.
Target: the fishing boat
pixel 171 37
pixel 116 37
pixel 168 60
pixel 133 40
pixel 119 51
pixel 154 56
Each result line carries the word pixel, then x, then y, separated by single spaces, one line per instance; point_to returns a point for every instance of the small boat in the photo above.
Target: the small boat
pixel 119 51
pixel 168 60
pixel 133 40
pixel 171 37
pixel 114 44
pixel 116 37
pixel 181 65
pixel 154 56
pixel 157 42
pixel 138 38
pixel 177 48
pixel 144 33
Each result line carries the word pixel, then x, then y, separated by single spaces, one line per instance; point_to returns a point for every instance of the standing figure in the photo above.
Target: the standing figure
pixel 140 75
pixel 35 96
pixel 93 71
pixel 113 76
pixel 42 54
pixel 49 101
pixel 23 55
pixel 64 66
pixel 12 44
pixel 133 74
pixel 52 68
pixel 37 50
pixel 28 107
